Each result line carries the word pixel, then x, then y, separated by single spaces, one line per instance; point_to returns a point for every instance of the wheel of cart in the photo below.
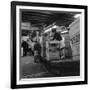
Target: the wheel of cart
pixel 51 67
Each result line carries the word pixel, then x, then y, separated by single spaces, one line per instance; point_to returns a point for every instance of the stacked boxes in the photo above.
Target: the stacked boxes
pixel 75 38
pixel 68 51
pixel 52 50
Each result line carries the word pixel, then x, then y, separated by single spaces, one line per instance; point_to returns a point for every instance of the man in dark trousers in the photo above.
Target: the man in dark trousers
pixel 25 47
pixel 37 52
pixel 57 36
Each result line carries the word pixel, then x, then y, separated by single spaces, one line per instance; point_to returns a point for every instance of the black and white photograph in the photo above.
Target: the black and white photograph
pixel 49 44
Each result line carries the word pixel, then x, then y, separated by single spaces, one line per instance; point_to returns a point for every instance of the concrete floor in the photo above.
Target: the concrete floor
pixel 29 69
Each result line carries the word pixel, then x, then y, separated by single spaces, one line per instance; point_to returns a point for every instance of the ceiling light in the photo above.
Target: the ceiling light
pixel 77 15
pixel 64 32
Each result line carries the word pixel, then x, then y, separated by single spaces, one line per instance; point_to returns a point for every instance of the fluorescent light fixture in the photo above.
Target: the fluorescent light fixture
pixel 54 26
pixel 48 30
pixel 77 15
pixel 64 32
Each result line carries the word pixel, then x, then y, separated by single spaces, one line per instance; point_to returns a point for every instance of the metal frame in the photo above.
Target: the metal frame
pixel 13 44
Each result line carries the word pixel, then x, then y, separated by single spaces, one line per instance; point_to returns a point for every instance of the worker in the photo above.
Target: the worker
pixel 56 35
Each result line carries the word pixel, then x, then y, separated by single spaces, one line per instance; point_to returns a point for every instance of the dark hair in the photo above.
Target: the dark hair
pixel 33 34
pixel 53 29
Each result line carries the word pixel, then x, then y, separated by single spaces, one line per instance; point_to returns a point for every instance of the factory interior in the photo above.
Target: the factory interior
pixel 43 56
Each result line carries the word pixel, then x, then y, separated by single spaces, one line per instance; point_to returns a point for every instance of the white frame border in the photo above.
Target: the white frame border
pixel 54 79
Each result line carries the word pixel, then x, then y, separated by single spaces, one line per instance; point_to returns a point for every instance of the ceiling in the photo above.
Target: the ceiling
pixel 45 18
